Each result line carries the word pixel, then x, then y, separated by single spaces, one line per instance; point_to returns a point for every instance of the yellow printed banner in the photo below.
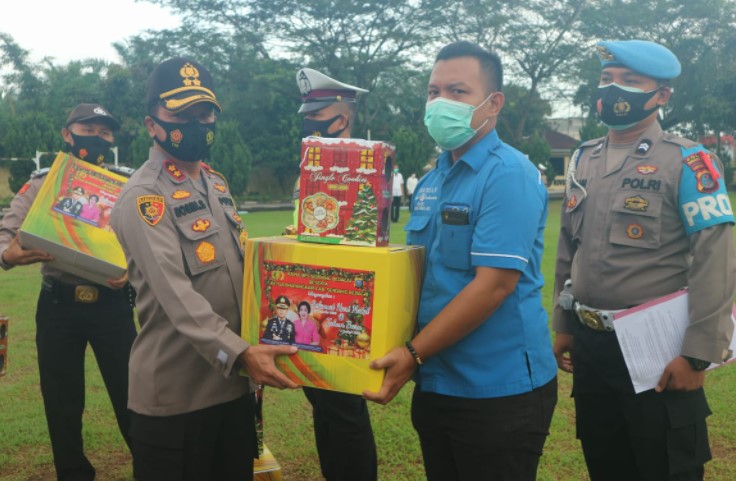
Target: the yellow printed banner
pixel 70 219
pixel 342 306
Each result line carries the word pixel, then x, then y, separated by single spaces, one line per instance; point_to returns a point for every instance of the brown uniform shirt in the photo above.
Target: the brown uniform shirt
pixel 624 242
pixel 12 221
pixel 185 261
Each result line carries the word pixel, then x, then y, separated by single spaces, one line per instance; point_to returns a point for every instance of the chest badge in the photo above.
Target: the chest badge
pixel 151 208
pixel 219 187
pixel 181 194
pixel 636 203
pixel 634 231
pixel 646 169
pixel 201 225
pixel 205 252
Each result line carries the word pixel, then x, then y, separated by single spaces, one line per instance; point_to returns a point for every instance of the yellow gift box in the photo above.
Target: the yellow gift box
pixel 266 468
pixel 343 306
pixel 65 222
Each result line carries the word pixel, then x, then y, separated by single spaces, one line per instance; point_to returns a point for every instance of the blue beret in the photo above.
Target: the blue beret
pixel 641 56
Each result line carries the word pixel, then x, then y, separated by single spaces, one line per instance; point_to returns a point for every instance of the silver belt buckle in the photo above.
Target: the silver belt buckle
pixel 594 319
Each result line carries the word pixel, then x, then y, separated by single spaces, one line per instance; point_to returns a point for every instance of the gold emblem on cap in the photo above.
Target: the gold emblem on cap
pixel 605 54
pixel 190 75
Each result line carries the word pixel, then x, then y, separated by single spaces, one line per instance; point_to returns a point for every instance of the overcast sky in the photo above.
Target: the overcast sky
pixel 77 29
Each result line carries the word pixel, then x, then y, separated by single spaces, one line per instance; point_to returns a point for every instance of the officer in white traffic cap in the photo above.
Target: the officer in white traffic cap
pixel 328 105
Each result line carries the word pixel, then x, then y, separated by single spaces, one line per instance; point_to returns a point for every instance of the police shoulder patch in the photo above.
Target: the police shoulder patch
pixel 151 208
pixel 24 189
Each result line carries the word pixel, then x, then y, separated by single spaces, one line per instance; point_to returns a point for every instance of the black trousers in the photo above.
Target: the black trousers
pixel 217 443
pixel 344 436
pixel 395 208
pixel 637 437
pixel 63 330
pixel 499 439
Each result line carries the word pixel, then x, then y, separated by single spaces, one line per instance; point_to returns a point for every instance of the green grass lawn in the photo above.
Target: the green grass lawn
pixel 25 452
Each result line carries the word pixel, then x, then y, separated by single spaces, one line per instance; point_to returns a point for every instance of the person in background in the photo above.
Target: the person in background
pixel 397 193
pixel 342 425
pixel 73 312
pixel 645 214
pixel 411 184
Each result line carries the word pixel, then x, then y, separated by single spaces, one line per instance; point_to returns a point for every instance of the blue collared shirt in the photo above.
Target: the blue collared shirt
pixel 501 193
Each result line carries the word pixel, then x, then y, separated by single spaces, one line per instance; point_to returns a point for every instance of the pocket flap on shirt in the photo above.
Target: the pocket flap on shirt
pixel 417 223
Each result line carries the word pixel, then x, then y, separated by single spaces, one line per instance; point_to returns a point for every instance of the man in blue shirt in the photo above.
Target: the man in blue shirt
pixel 482 360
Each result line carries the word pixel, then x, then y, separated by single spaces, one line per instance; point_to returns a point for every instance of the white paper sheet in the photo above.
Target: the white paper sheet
pixel 651 335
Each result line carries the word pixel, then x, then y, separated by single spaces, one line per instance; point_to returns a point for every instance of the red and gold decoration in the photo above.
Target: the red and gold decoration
pixel 345 191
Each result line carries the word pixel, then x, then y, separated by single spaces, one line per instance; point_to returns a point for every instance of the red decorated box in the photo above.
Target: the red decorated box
pixel 345 191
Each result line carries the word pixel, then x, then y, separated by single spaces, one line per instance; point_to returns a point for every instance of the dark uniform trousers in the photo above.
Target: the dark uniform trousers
pixel 499 439
pixel 395 208
pixel 344 436
pixel 634 437
pixel 217 443
pixel 64 327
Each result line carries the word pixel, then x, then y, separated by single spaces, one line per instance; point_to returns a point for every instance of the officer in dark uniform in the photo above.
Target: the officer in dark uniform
pixel 72 205
pixel 342 425
pixel 280 328
pixel 645 214
pixel 72 312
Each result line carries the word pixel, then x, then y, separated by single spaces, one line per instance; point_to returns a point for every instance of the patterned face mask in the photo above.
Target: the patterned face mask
pixel 189 142
pixel 621 107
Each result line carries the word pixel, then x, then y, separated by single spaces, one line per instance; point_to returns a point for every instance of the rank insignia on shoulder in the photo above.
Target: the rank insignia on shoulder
pixel 201 225
pixel 174 171
pixel 219 187
pixel 205 252
pixel 636 203
pixel 151 208
pixel 635 231
pixel 24 189
pixel 646 169
pixel 181 194
pixel 644 147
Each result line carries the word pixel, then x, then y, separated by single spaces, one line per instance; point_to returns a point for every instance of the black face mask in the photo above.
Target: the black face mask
pixel 621 108
pixel 189 142
pixel 319 128
pixel 90 148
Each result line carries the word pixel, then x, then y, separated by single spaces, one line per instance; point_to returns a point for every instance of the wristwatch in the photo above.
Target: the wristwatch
pixel 697 364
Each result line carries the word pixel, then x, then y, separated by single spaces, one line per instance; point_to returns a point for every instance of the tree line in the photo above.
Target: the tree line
pixel 254 49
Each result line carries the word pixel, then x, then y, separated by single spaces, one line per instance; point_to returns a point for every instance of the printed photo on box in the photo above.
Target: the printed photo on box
pixel 320 309
pixel 87 196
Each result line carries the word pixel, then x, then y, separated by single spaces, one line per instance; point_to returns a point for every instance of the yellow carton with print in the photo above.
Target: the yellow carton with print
pixel 70 220
pixel 342 306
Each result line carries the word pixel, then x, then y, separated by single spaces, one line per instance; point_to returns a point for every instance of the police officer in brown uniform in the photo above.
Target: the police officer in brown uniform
pixel 645 214
pixel 193 414
pixel 342 425
pixel 73 312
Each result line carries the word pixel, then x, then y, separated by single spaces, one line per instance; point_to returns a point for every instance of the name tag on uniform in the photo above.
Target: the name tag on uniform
pixel 456 214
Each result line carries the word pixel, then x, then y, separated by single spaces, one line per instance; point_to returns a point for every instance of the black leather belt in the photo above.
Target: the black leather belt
pixel 80 293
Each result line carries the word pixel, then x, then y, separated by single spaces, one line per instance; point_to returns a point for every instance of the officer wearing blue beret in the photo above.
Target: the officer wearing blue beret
pixel 645 213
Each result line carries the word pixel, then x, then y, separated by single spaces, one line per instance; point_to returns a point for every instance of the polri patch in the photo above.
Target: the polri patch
pixel 205 252
pixel 151 208
pixel 201 225
pixel 635 231
pixel 181 194
pixel 636 203
pixel 646 169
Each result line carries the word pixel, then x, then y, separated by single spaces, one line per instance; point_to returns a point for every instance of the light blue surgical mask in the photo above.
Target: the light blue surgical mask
pixel 448 121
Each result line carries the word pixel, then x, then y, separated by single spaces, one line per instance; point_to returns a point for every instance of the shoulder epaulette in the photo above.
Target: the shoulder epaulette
pixel 681 141
pixel 212 171
pixel 592 142
pixel 40 172
pixel 121 169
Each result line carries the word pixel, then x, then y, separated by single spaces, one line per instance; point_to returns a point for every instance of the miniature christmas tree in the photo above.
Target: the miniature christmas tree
pixel 363 223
